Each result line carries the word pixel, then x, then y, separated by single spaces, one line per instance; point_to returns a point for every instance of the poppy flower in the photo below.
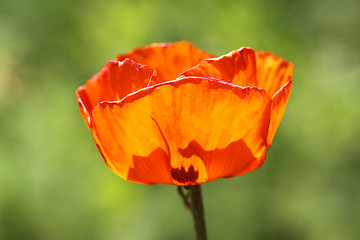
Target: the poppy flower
pixel 173 114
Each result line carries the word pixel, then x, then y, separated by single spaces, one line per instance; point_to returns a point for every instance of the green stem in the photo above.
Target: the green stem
pixel 193 201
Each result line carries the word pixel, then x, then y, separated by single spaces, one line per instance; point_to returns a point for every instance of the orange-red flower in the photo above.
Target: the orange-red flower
pixel 173 114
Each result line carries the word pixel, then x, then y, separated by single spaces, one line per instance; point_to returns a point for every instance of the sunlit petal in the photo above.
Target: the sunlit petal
pixel 169 59
pixel 272 72
pixel 280 100
pixel 237 67
pixel 165 134
pixel 112 83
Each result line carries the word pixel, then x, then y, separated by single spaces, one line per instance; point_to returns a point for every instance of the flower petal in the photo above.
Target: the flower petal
pixel 169 60
pixel 237 67
pixel 112 83
pixel 280 100
pixel 184 132
pixel 272 72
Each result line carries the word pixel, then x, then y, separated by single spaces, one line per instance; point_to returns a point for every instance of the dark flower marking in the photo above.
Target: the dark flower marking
pixel 183 176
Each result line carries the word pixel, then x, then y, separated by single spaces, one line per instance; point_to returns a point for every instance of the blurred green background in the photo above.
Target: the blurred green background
pixel 54 183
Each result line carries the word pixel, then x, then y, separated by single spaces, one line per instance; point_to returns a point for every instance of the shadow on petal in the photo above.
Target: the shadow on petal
pixel 235 159
pixel 152 169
